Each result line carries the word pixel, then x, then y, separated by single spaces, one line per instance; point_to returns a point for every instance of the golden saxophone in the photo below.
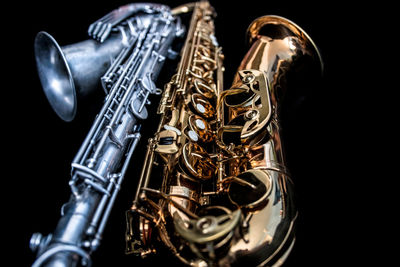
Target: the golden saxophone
pixel 214 189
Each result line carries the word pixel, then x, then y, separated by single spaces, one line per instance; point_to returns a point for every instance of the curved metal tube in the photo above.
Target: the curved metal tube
pixel 280 53
pixel 67 72
pixel 100 165
pixel 226 197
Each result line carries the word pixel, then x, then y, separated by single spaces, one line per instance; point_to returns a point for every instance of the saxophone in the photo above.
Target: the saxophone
pixel 214 189
pixel 125 55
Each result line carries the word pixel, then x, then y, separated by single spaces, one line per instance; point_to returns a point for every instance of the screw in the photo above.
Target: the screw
pixel 248 78
pixel 251 114
pixel 35 241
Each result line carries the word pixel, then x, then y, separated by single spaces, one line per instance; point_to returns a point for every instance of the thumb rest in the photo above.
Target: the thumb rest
pixel 214 189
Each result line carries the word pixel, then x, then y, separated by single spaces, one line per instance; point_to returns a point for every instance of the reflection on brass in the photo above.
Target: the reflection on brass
pixel 214 189
pixel 198 161
pixel 203 106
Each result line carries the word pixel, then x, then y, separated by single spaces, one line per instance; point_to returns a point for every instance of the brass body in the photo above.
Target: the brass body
pixel 214 188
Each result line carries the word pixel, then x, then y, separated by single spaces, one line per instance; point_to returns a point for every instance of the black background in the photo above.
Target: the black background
pixel 322 139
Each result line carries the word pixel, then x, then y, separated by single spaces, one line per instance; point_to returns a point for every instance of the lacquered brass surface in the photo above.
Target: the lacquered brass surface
pixel 214 185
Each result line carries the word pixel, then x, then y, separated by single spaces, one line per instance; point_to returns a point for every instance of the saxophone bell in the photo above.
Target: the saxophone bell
pixel 67 72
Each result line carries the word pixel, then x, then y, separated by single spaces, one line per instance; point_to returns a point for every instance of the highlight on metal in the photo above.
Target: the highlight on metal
pixel 214 188
pixel 124 56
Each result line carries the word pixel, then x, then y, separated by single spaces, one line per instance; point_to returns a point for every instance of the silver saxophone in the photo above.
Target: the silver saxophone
pixel 124 56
